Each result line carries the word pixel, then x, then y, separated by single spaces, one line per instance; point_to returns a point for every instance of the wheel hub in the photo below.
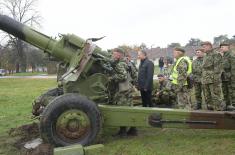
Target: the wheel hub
pixel 72 124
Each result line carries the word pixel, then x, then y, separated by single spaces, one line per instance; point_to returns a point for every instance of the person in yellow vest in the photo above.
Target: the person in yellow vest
pixel 180 72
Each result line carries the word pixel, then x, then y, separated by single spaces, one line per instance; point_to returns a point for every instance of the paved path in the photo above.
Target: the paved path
pixel 41 77
pixel 29 77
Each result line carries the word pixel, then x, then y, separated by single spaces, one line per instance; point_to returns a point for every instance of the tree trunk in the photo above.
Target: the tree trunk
pixel 22 65
pixel 17 67
pixel 33 67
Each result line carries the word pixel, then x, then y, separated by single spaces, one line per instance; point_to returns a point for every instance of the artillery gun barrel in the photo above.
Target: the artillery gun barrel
pixel 64 49
pixel 34 38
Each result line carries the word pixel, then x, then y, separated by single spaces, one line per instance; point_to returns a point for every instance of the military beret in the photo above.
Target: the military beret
pixel 179 49
pixel 224 44
pixel 160 75
pixel 206 43
pixel 119 50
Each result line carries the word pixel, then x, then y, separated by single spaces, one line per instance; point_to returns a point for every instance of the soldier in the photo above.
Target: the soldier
pixel 132 79
pixel 132 70
pixel 227 77
pixel 122 95
pixel 180 72
pixel 232 48
pixel 197 74
pixel 211 77
pixel 233 79
pixel 163 96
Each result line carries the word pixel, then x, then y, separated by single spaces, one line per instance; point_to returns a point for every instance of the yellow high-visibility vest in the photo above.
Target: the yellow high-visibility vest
pixel 175 73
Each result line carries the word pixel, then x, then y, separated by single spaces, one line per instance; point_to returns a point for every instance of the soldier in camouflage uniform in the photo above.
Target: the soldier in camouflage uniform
pixel 233 79
pixel 227 77
pixel 197 74
pixel 132 79
pixel 181 70
pixel 211 77
pixel 132 70
pixel 163 95
pixel 119 79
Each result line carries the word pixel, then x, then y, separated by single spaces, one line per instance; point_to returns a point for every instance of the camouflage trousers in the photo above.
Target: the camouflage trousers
pixel 233 92
pixel 227 92
pixel 198 92
pixel 184 98
pixel 213 98
pixel 123 98
pixel 164 99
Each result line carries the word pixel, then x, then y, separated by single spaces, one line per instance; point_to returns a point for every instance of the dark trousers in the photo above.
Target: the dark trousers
pixel 146 98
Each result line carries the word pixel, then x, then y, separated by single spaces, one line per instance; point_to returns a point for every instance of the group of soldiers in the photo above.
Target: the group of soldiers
pixel 217 71
pixel 211 73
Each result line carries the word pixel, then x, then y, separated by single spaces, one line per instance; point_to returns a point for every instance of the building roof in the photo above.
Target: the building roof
pixel 158 52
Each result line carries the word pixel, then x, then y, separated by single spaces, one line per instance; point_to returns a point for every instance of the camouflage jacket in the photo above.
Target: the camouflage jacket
pixel 133 72
pixel 160 87
pixel 211 68
pixel 120 71
pixel 182 69
pixel 197 70
pixel 163 88
pixel 228 61
pixel 233 66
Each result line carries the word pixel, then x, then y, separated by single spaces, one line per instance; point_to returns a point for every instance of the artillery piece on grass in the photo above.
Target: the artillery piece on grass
pixel 75 112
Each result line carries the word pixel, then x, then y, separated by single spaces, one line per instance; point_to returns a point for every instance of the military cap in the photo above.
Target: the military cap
pixel 225 43
pixel 200 49
pixel 179 49
pixel 160 75
pixel 206 43
pixel 119 50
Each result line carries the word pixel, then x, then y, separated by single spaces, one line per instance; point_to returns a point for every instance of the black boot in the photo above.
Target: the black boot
pixel 121 133
pixel 132 131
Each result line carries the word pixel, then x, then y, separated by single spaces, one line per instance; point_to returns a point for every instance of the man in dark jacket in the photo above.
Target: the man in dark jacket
pixel 145 79
pixel 161 63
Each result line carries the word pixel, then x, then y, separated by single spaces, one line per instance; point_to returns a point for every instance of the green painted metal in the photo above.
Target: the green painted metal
pixel 84 61
pixel 69 150
pixel 166 118
pixel 78 150
pixel 72 124
pixel 94 87
pixel 70 48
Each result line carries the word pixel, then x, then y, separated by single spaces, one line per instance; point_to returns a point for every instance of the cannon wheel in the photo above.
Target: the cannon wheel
pixel 70 119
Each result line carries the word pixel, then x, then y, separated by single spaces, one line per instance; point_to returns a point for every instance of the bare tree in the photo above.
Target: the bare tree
pixel 219 39
pixel 25 12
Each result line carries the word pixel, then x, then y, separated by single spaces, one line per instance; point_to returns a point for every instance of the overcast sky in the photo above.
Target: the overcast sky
pixel 154 22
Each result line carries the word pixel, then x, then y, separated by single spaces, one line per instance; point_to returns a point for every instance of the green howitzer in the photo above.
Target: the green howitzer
pixel 75 112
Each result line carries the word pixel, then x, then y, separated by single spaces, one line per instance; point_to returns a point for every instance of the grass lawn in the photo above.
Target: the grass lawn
pixel 16 96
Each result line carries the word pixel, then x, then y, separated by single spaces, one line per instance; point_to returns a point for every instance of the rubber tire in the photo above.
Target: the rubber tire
pixel 51 92
pixel 67 102
pixel 42 98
